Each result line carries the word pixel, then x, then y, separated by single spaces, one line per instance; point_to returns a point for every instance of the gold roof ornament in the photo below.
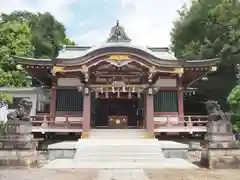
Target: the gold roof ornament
pixel 118 57
pixel 84 69
pixel 152 69
pixel 19 67
pixel 214 68
pixel 179 71
pixel 56 69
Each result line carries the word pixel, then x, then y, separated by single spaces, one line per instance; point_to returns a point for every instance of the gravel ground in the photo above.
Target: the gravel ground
pixel 200 174
pixel 40 174
pixel 91 174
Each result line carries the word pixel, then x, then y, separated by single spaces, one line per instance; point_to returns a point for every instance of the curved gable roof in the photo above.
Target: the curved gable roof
pixel 71 52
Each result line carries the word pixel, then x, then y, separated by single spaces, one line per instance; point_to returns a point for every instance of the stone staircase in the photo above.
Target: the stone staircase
pixel 119 149
pixel 123 146
pixel 117 134
pixel 109 152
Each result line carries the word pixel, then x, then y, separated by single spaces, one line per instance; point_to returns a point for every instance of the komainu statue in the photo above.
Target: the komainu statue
pixel 214 112
pixel 21 112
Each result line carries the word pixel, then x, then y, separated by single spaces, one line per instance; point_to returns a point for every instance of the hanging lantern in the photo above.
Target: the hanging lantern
pixel 150 91
pixel 129 94
pixel 124 88
pixel 118 93
pixel 107 94
pixel 133 89
pixel 138 94
pixel 86 91
pixel 113 89
pixel 96 95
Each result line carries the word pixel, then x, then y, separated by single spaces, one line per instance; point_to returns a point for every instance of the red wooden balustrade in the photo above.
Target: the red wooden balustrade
pixel 188 124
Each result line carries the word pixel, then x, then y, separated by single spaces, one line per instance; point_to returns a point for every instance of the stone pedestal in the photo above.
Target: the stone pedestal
pixel 17 147
pixel 219 131
pixel 220 150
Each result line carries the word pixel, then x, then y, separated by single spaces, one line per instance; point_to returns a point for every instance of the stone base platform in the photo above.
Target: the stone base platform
pixel 173 163
pixel 18 157
pixel 221 155
pixel 119 153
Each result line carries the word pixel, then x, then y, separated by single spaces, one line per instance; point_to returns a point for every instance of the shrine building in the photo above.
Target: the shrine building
pixel 116 84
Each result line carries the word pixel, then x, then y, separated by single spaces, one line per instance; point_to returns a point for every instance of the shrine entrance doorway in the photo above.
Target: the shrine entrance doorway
pixel 118 113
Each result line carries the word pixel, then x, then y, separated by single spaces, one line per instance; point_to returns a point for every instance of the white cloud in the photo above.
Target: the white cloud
pixel 92 37
pixel 146 22
pixel 61 9
pixel 150 22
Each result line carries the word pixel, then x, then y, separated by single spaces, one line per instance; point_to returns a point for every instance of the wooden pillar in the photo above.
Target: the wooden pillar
pixel 86 115
pixel 53 102
pixel 180 99
pixel 149 114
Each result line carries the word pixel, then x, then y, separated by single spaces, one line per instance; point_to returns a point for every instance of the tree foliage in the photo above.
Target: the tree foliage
pixel 6 97
pixel 234 99
pixel 27 34
pixel 210 29
pixel 47 33
pixel 15 40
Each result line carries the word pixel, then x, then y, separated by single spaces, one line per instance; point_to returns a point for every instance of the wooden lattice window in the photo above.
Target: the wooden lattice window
pixel 69 100
pixel 166 101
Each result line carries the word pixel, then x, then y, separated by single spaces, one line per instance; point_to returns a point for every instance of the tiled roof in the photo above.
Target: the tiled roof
pixel 78 51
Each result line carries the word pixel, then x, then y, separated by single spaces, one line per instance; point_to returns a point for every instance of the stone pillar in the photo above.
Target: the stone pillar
pixel 53 102
pixel 86 115
pixel 149 114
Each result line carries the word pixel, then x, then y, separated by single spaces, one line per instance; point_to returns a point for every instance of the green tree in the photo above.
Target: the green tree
pixel 68 41
pixel 234 99
pixel 6 97
pixel 15 40
pixel 47 33
pixel 210 29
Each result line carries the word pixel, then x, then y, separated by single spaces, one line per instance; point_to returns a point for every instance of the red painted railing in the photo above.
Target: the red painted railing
pixel 188 124
pixel 47 121
pixel 183 124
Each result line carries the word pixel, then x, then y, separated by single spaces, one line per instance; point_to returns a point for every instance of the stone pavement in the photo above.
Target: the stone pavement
pixel 126 174
pixel 93 174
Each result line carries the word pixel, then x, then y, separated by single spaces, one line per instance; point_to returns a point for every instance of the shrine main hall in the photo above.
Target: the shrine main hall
pixel 116 85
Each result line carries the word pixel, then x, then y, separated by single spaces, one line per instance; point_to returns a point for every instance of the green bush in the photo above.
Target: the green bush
pixel 234 99
pixel 7 97
pixel 235 119
pixel 2 128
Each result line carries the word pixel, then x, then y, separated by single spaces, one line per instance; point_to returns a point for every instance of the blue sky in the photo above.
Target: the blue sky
pixel 88 22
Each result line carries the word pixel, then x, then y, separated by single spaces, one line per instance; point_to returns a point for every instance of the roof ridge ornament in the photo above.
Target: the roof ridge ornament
pixel 118 34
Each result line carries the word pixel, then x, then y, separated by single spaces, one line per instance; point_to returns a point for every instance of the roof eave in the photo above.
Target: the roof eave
pixel 32 61
pixel 201 63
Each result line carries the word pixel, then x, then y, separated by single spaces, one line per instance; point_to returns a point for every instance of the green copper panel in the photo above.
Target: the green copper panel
pixel 166 101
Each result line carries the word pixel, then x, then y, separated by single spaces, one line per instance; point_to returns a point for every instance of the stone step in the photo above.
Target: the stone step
pixel 165 163
pixel 127 154
pixel 117 137
pixel 117 134
pixel 118 130
pixel 128 159
pixel 126 149
pixel 118 142
pixel 119 155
